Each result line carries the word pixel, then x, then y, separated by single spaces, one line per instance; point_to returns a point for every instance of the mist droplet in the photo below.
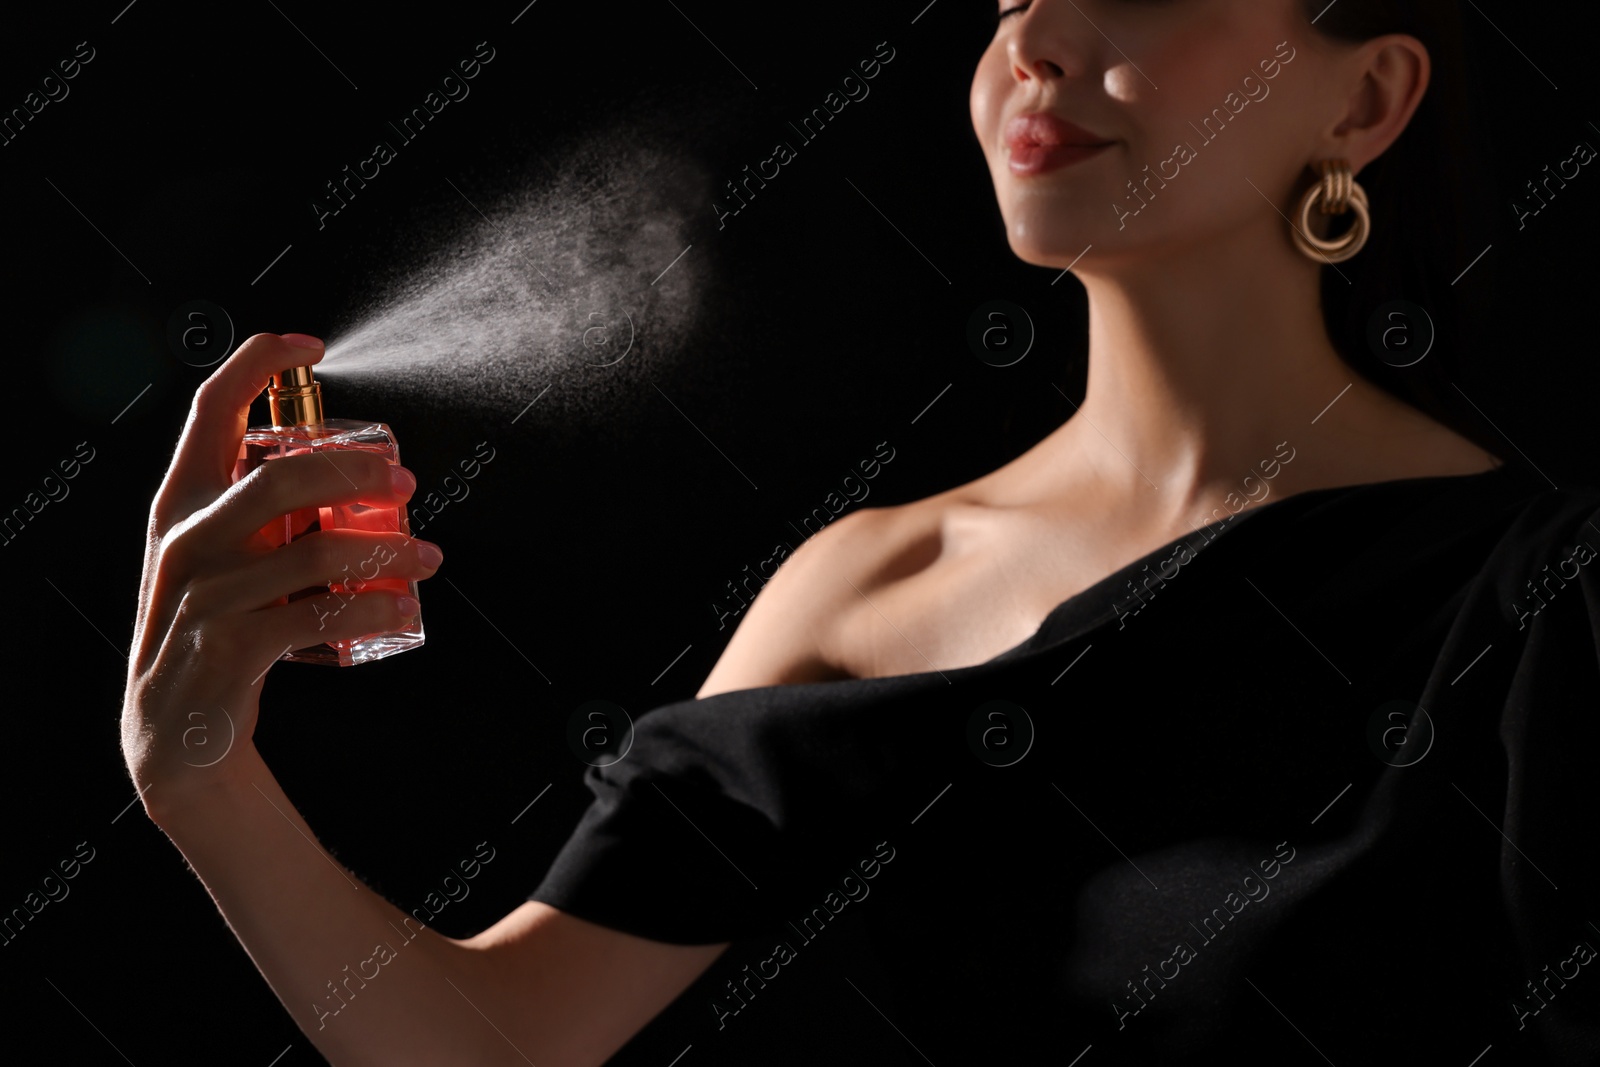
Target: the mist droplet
pixel 582 275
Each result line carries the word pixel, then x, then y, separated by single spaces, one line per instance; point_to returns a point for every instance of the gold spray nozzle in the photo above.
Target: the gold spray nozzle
pixel 295 398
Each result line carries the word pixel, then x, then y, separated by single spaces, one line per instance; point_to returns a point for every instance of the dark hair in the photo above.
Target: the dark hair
pixel 1421 192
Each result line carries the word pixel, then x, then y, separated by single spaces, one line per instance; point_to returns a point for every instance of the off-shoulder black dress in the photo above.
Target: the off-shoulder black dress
pixel 1314 784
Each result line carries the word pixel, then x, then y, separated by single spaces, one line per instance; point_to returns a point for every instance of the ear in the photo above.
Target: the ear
pixel 1387 77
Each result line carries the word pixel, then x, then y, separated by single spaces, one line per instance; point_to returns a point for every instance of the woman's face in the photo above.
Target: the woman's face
pixel 1208 107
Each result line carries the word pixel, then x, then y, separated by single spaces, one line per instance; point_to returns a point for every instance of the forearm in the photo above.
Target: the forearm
pixel 367 983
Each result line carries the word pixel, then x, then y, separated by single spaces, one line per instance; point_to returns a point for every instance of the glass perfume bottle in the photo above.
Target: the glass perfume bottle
pixel 294 400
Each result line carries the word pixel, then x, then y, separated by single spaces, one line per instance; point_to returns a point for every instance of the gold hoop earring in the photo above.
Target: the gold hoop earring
pixel 1337 194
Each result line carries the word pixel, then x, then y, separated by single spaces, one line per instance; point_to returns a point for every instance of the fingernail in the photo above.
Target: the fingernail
pixel 429 553
pixel 301 340
pixel 404 481
pixel 408 606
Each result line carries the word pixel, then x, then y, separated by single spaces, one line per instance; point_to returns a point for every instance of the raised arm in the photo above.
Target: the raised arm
pixel 369 985
pixel 366 983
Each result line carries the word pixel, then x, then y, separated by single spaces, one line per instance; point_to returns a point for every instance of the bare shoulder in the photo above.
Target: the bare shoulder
pixel 789 632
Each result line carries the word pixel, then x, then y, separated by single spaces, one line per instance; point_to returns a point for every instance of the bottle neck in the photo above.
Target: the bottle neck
pixel 295 405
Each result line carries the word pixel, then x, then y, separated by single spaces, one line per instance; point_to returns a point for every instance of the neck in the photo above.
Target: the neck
pixel 1203 361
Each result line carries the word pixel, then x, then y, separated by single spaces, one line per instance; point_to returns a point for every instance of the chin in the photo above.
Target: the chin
pixel 1048 242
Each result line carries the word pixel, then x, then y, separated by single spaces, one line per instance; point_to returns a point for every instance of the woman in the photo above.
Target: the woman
pixel 1260 576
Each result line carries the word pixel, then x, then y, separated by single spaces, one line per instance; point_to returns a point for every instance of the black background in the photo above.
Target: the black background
pixel 589 553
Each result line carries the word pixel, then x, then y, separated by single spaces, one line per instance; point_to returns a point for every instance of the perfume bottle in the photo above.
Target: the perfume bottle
pixel 294 399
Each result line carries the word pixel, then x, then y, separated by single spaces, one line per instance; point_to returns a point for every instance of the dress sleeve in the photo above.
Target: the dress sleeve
pixel 1542 800
pixel 730 813
pixel 671 858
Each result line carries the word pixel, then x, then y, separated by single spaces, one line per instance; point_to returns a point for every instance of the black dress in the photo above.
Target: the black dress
pixel 1313 784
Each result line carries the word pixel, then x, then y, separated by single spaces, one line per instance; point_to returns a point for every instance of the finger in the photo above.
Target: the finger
pixel 279 487
pixel 203 465
pixel 329 617
pixel 354 559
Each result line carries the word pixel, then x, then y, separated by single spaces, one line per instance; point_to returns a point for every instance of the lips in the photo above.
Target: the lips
pixel 1042 142
pixel 1043 128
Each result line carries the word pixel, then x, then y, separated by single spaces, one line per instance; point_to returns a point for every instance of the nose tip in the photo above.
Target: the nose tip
pixel 1039 68
pixel 1048 44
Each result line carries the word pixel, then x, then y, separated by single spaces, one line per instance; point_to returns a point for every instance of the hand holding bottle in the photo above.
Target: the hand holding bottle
pixel 214 602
